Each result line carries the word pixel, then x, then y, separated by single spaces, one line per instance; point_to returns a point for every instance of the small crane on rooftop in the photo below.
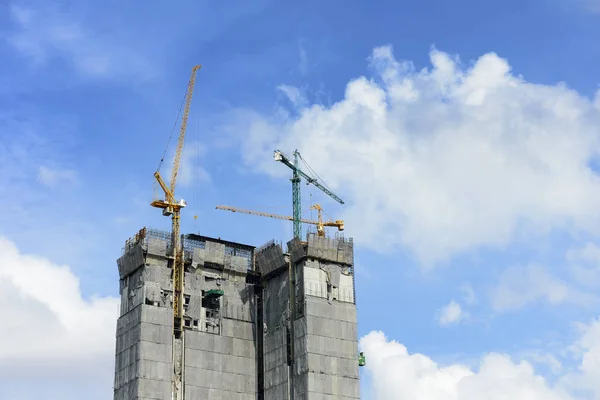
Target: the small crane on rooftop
pixel 297 174
pixel 172 207
pixel 320 223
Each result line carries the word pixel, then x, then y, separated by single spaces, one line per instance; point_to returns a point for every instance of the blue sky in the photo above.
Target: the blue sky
pixel 89 93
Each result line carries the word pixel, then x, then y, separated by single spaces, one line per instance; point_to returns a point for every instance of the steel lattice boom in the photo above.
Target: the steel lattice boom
pixel 172 208
pixel 320 223
pixel 297 174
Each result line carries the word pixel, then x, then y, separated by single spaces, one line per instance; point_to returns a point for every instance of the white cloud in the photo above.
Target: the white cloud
pixel 450 314
pixel 397 374
pixel 52 177
pixel 587 347
pixel 444 160
pixel 590 252
pixel 519 286
pixel 294 95
pixel 548 360
pixel 43 33
pixel 50 328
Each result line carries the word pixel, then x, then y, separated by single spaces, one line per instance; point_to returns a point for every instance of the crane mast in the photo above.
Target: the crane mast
pixel 297 174
pixel 297 200
pixel 172 207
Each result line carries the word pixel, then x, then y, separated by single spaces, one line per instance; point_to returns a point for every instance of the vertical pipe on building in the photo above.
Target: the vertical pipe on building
pixel 260 366
pixel 291 336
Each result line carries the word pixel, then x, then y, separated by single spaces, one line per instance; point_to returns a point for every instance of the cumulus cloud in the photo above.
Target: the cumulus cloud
pixel 294 95
pixel 519 286
pixel 450 314
pixel 446 159
pixel 398 374
pixel 587 347
pixel 49 329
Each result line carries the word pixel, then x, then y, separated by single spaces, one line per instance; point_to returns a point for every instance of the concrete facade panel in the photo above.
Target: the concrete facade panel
pixel 220 362
pixel 277 392
pixel 157 315
pixel 195 393
pixel 152 389
pixel 334 385
pixel 157 247
pixel 158 371
pixel 332 347
pixel 159 274
pixel 149 351
pixel 270 258
pixel 333 328
pixel 345 292
pixel 219 380
pixel 131 261
pixel 341 311
pixel 209 342
pixel 237 329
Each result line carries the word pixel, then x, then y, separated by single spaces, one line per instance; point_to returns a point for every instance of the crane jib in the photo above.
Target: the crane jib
pixel 296 198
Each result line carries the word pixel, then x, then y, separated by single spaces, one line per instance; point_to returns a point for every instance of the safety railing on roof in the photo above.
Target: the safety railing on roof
pixel 189 244
pixel 142 236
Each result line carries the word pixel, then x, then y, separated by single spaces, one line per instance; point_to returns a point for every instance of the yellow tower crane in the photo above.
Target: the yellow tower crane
pixel 172 207
pixel 320 223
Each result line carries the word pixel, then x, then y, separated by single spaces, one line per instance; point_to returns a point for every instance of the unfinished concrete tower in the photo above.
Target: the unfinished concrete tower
pixel 263 324
pixel 311 348
pixel 219 319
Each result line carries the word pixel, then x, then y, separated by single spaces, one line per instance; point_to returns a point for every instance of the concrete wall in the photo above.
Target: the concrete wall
pixel 219 335
pixel 327 351
pixel 323 330
pixel 276 319
pixel 143 361
pixel 220 352
pixel 326 342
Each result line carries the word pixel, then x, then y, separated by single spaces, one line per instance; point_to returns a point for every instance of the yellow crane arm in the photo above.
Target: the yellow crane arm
pixel 169 198
pixel 180 140
pixel 263 214
pixel 320 224
pixel 171 207
pixel 170 203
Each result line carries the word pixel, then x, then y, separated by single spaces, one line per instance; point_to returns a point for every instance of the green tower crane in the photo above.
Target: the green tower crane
pixel 297 174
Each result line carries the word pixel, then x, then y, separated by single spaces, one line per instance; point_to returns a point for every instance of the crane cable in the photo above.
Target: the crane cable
pixel 321 180
pixel 196 174
pixel 171 135
pixel 314 173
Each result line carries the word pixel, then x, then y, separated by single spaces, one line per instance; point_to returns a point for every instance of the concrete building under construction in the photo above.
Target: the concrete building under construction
pixel 259 323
